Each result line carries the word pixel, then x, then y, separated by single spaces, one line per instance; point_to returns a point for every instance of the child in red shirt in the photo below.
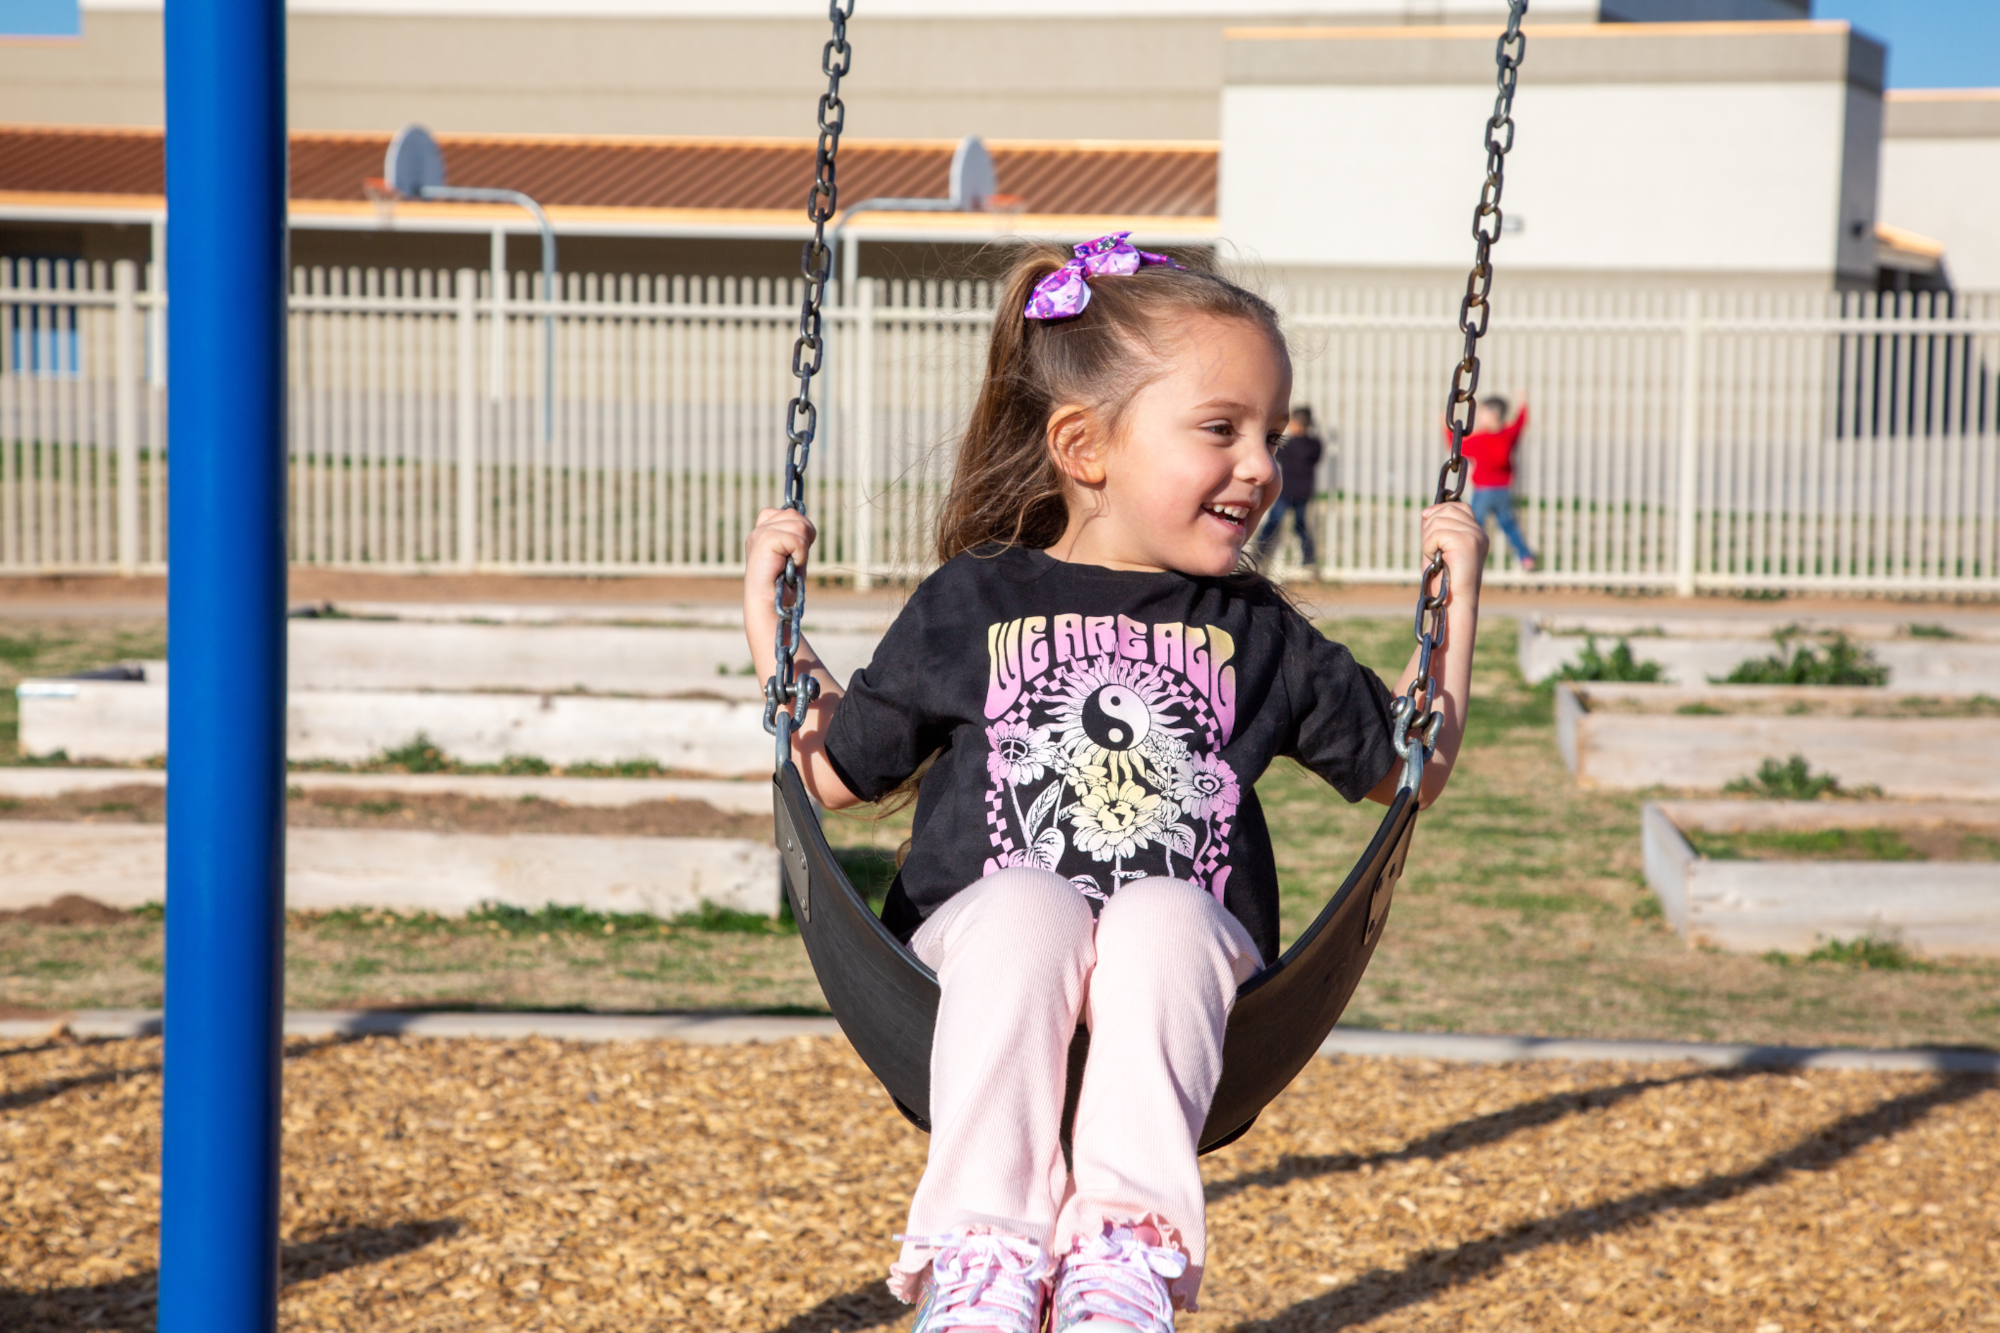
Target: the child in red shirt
pixel 1490 450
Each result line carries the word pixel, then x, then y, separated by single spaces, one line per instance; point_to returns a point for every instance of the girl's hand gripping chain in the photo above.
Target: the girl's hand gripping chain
pixel 781 535
pixel 1450 530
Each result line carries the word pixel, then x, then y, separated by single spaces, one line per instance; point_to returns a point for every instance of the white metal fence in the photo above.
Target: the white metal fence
pixel 1677 440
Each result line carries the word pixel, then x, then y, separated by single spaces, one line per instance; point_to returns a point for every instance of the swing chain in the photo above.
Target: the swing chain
pixel 1461 407
pixel 787 695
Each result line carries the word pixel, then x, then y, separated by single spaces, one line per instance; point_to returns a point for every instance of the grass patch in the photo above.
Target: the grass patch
pixel 1931 632
pixel 420 754
pixel 1517 913
pixel 1830 844
pixel 1532 905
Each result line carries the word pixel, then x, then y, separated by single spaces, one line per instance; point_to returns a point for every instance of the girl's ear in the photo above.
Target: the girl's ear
pixel 1073 443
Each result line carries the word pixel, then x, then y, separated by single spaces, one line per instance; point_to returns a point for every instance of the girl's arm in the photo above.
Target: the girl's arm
pixel 780 533
pixel 1448 528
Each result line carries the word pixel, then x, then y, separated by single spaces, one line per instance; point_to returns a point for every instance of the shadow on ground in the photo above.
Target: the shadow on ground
pixel 126 1305
pixel 1376 1293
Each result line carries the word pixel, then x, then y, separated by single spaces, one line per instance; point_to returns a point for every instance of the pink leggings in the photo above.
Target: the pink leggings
pixel 1019 959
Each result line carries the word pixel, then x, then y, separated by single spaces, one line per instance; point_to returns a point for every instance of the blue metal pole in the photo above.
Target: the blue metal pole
pixel 226 189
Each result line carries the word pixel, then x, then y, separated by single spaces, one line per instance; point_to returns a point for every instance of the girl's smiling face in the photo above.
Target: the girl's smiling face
pixel 1191 469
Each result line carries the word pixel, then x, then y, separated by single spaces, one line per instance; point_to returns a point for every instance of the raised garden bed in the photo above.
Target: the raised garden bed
pixel 438 852
pixel 126 722
pixel 1636 737
pixel 1959 657
pixel 1794 876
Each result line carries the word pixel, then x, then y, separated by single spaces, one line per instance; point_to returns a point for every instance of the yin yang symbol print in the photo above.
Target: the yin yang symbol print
pixel 1105 738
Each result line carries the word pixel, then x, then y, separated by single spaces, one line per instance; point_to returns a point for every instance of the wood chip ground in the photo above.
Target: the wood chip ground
pixel 457 1186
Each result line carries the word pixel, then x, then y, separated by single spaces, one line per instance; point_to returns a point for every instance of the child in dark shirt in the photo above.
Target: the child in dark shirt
pixel 1101 683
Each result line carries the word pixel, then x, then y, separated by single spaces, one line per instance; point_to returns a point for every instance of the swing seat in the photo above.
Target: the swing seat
pixel 886 1001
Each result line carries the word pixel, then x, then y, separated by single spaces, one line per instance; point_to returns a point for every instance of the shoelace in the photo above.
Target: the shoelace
pixel 980 1279
pixel 1118 1277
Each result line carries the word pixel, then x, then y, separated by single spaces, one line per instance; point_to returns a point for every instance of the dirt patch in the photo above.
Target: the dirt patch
pixel 458 1186
pixel 69 910
pixel 1941 842
pixel 442 812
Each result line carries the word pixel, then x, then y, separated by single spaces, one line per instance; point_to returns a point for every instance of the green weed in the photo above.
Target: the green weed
pixel 622 768
pixel 419 754
pixel 1792 780
pixel 1871 954
pixel 1699 709
pixel 1843 663
pixel 728 921
pixel 1931 632
pixel 1621 665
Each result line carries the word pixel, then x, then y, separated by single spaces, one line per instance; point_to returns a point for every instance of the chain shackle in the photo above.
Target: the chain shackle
pixel 1417 719
pixel 787 695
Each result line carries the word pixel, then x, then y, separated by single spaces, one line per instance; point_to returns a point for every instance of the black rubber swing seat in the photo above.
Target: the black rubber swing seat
pixel 886 1001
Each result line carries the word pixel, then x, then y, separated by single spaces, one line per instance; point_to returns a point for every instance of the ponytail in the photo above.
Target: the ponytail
pixel 1006 487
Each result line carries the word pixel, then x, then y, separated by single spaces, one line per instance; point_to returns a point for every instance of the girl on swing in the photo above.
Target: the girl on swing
pixel 1100 679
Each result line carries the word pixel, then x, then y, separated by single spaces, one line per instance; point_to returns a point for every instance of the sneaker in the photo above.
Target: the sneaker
pixel 1117 1281
pixel 997 1284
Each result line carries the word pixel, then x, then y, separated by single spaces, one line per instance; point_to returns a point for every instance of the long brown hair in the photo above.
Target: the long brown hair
pixel 1006 487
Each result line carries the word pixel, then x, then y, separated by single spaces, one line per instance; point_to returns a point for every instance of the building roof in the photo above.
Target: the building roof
pixel 737 181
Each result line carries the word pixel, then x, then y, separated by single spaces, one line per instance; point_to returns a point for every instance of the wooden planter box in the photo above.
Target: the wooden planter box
pixel 125 865
pixel 1932 907
pixel 1691 650
pixel 1946 758
pixel 124 722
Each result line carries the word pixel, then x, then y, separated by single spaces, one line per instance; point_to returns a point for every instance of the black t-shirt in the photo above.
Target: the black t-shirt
pixel 1104 724
pixel 1298 462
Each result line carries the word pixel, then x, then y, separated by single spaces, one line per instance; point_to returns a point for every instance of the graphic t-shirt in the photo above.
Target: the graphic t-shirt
pixel 1104 724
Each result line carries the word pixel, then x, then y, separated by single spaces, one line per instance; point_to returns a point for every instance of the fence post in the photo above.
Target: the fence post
pixel 125 400
pixel 1690 459
pixel 863 416
pixel 468 417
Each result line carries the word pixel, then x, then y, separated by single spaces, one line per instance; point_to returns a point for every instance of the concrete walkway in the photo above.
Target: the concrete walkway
pixel 726 1029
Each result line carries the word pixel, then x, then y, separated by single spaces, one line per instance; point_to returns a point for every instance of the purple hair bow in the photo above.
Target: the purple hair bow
pixel 1066 291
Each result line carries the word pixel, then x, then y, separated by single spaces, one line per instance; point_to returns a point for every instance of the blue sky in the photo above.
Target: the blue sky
pixel 1932 43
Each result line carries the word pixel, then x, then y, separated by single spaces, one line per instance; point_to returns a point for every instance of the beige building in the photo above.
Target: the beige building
pixel 1697 154
pixel 1941 178
pixel 935 69
pixel 1721 142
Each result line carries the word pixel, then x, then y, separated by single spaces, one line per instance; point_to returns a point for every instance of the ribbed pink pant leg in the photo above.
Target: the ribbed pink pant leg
pixel 1169 960
pixel 1013 954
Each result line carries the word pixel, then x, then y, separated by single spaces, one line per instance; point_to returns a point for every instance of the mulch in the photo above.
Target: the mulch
pixel 443 812
pixel 533 1185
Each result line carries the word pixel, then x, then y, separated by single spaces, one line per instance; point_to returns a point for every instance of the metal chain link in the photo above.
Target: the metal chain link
pixel 787 695
pixel 1462 406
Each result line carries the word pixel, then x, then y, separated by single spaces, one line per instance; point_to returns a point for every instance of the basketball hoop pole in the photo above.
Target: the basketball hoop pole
pixel 226 188
pixel 483 195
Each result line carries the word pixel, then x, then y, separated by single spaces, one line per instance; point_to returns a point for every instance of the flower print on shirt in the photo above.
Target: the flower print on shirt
pixel 1104 750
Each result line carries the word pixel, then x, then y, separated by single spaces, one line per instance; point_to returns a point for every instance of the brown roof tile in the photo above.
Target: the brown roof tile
pixel 1053 177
